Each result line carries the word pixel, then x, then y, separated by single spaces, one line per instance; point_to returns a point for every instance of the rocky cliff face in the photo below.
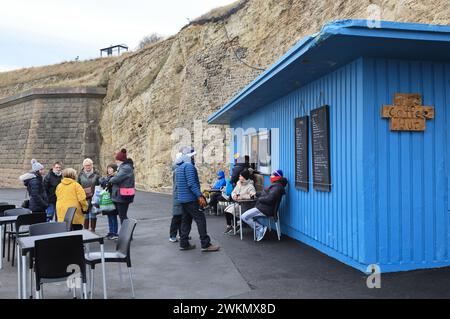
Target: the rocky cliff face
pixel 187 77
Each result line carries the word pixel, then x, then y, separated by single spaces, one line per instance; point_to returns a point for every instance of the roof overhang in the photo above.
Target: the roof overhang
pixel 337 44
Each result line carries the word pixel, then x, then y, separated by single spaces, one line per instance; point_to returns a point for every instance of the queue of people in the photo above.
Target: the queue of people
pixel 189 203
pixel 62 188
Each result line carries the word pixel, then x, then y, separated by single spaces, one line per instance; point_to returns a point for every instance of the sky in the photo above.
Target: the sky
pixel 42 32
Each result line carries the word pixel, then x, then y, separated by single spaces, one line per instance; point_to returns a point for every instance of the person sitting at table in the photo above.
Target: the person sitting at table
pixel 216 194
pixel 244 190
pixel 70 193
pixel 265 204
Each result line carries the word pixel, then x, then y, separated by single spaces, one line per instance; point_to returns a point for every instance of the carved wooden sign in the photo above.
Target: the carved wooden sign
pixel 408 113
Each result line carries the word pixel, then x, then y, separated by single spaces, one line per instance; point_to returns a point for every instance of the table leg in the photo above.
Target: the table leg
pixel 19 275
pixel 24 276
pixel 1 246
pixel 102 250
pixel 240 221
pixel 234 219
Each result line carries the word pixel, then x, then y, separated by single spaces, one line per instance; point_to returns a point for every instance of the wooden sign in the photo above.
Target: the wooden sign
pixel 407 113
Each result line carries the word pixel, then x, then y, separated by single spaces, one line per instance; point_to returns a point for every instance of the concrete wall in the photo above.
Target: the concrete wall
pixel 54 124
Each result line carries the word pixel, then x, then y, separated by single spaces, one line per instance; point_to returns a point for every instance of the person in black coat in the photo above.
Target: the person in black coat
pixel 51 181
pixel 266 203
pixel 35 187
pixel 240 164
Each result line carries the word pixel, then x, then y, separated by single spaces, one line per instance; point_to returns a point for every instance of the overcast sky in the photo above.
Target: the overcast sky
pixel 41 32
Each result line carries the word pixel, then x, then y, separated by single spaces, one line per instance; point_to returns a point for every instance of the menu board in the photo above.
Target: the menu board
pixel 320 127
pixel 302 153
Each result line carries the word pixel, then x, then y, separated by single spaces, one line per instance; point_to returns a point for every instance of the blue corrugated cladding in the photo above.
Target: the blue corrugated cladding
pixel 331 222
pixel 406 174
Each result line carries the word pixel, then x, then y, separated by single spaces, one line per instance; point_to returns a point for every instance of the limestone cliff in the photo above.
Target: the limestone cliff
pixel 190 75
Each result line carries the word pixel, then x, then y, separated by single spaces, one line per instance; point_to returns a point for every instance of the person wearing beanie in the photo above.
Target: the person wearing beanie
pixel 216 195
pixel 88 178
pixel 123 184
pixel 113 224
pixel 266 203
pixel 240 163
pixel 51 181
pixel 35 187
pixel 245 189
pixel 192 203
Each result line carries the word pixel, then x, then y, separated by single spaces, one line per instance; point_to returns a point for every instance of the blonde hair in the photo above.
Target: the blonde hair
pixel 69 173
pixel 88 161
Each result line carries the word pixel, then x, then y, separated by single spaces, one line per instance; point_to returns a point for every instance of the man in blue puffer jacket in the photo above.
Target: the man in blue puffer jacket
pixel 191 199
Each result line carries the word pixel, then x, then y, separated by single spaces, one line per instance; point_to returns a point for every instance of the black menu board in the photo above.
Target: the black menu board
pixel 302 153
pixel 320 127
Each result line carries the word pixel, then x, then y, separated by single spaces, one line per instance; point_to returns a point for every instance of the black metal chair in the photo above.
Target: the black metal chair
pixel 4 207
pixel 121 255
pixel 68 218
pixel 39 230
pixel 25 220
pixel 275 217
pixel 47 228
pixel 57 259
pixel 12 212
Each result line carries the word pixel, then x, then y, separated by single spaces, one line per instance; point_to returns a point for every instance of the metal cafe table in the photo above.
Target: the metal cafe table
pixel 241 202
pixel 4 220
pixel 26 245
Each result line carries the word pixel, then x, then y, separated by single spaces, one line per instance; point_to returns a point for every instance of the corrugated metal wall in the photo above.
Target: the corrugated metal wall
pixel 406 183
pixel 390 196
pixel 332 222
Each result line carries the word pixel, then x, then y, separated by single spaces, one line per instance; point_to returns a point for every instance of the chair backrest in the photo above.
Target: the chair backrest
pixel 68 219
pixel 125 235
pixel 277 207
pixel 17 212
pixel 47 228
pixel 30 219
pixel 5 207
pixel 54 256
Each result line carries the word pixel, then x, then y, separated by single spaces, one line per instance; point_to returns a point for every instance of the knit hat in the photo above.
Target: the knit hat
pixel 245 174
pixel 179 158
pixel 278 172
pixel 122 155
pixel 221 174
pixel 35 165
pixel 187 154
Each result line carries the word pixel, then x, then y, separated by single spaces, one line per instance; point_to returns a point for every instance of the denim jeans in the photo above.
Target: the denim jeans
pixel 113 224
pixel 51 209
pixel 191 212
pixel 248 216
pixel 90 214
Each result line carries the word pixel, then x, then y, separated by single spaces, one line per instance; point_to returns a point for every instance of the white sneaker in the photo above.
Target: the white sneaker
pixel 260 232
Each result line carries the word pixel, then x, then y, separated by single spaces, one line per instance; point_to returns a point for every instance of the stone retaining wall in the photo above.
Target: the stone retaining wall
pixel 53 124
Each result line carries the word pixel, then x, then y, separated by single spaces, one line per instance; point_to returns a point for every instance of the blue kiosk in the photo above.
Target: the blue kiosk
pixel 358 118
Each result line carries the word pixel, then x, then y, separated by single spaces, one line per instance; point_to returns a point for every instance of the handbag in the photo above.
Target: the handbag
pixel 127 192
pixel 89 192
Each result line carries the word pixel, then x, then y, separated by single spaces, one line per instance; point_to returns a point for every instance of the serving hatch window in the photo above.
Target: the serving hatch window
pixel 258 146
